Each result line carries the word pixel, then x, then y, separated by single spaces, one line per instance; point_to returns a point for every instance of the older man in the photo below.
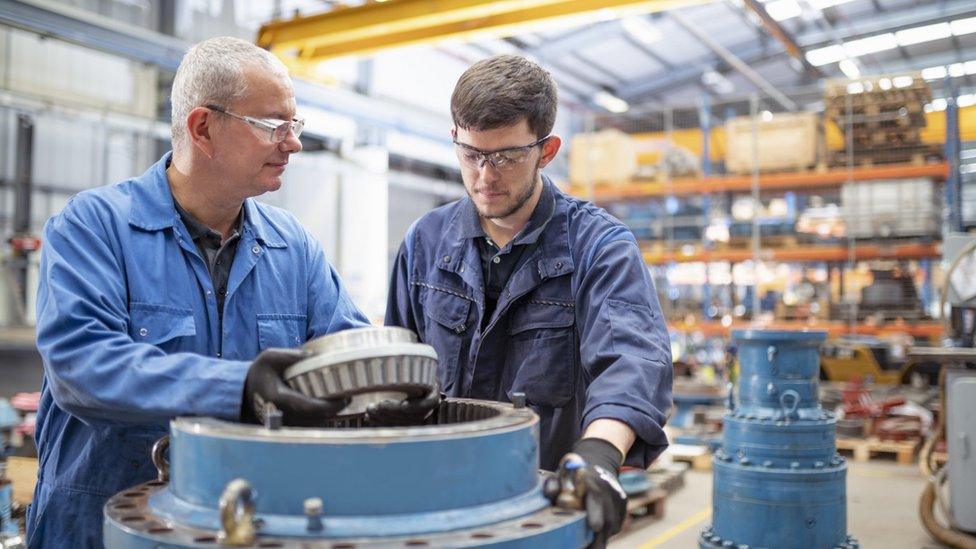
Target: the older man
pixel 157 293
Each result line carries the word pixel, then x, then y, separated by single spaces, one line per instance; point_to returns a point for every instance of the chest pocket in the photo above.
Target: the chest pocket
pixel 542 357
pixel 449 314
pixel 160 325
pixel 281 330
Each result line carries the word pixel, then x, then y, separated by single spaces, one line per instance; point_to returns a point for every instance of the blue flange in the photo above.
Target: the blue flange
pixel 472 479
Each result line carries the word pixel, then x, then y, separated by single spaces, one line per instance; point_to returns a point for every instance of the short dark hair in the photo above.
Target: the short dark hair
pixel 500 91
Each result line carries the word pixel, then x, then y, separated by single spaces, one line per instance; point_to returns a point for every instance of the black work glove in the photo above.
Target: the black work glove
pixel 264 385
pixel 587 480
pixel 409 412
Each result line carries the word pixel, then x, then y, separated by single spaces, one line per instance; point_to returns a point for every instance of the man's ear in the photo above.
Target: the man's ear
pixel 549 150
pixel 199 123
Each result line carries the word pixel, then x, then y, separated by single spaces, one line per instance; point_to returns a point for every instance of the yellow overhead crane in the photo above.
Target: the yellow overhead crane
pixel 378 25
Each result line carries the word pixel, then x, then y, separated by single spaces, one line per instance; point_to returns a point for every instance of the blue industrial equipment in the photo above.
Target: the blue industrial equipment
pixel 9 531
pixel 468 479
pixel 778 481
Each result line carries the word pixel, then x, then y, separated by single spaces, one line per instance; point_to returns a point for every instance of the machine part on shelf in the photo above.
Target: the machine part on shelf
pixel 899 428
pixel 689 396
pixel 861 359
pixel 779 481
pixel 851 428
pixel 385 487
pixel 9 530
pixel 368 364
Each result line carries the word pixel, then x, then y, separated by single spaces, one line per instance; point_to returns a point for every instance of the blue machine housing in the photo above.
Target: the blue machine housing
pixel 778 480
pixel 8 420
pixel 470 480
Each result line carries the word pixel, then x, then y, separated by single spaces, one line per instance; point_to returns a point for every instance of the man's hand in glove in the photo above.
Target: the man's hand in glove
pixel 587 479
pixel 412 411
pixel 264 385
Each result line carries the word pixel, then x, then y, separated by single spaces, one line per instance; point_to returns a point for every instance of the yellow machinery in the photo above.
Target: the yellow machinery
pixel 851 360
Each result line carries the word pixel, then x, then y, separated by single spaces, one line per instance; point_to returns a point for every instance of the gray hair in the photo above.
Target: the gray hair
pixel 212 72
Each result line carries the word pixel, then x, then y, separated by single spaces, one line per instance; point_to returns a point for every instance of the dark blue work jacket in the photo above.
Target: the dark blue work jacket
pixel 578 327
pixel 128 329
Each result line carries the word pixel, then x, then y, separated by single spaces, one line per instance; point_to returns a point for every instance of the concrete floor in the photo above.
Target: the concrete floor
pixel 882 511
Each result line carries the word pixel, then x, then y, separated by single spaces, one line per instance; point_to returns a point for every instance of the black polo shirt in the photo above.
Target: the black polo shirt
pixel 218 256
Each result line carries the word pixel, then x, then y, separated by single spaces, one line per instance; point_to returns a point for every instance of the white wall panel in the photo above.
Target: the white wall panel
pixel 58 70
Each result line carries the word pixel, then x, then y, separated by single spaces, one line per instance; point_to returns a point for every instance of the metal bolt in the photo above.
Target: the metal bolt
pixel 273 418
pixel 819 465
pixel 518 400
pixel 795 465
pixel 767 463
pixel 313 510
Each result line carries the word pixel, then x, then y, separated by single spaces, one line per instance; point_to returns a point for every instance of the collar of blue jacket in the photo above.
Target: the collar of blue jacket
pixel 153 208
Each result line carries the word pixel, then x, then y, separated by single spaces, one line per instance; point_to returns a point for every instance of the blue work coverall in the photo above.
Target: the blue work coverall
pixel 128 329
pixel 578 327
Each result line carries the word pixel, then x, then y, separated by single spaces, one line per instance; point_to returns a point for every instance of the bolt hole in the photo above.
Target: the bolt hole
pixel 160 530
pixel 344 546
pixel 482 535
pixel 155 483
pixel 205 539
pixel 417 543
pixel 531 525
pixel 133 518
pixel 124 506
pixel 132 494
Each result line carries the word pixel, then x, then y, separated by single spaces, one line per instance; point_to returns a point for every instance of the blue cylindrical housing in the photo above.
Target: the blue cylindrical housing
pixel 469 480
pixel 778 481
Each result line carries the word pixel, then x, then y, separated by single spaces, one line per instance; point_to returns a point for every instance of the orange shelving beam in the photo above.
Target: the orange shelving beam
pixel 809 253
pixel 927 329
pixel 769 181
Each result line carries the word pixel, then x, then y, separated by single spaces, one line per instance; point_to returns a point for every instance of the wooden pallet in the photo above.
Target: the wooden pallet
pixel 863 449
pixel 866 158
pixel 649 504
pixel 698 456
pixel 23 472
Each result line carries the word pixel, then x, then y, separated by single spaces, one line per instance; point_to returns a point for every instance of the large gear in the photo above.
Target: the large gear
pixel 367 364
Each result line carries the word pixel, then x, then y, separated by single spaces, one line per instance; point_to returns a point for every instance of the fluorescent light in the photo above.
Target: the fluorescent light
pixel 871 44
pixel 826 56
pixel 767 116
pixel 782 10
pixel 641 29
pixel 849 68
pixel 934 73
pixel 956 70
pixel 969 67
pixel 822 4
pixel 717 82
pixel 883 83
pixel 855 88
pixel 610 102
pixel 967 100
pixel 936 105
pixel 963 26
pixel 902 81
pixel 926 33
